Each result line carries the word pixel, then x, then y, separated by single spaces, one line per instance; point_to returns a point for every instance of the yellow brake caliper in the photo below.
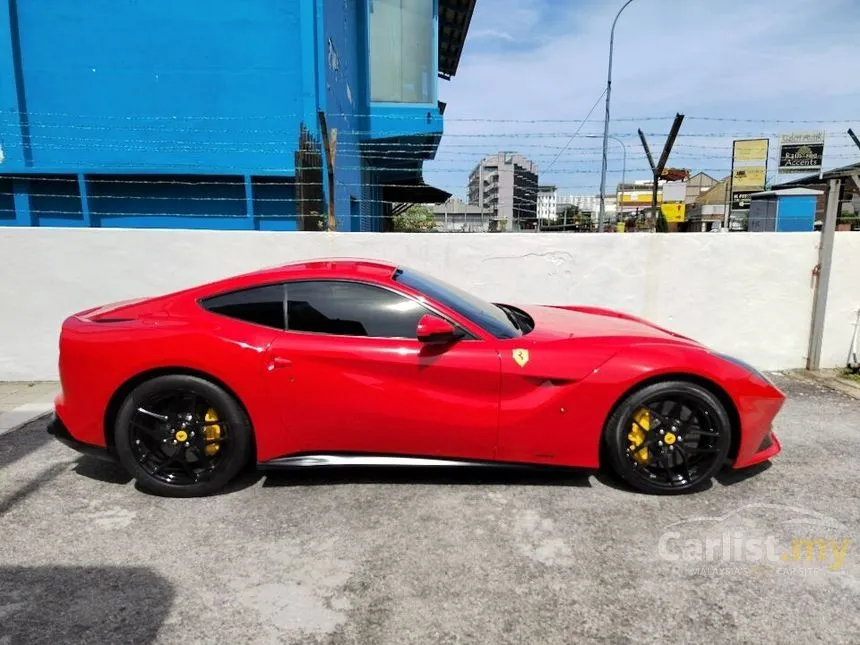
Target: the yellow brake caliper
pixel 638 433
pixel 212 433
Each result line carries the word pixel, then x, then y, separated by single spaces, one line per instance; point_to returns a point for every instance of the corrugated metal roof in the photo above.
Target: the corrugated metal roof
pixel 454 19
pixel 716 194
pixel 788 192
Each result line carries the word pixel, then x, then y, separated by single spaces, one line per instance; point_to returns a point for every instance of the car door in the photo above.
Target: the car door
pixel 350 376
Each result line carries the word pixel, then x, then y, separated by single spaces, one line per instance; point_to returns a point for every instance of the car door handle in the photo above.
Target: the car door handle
pixel 280 362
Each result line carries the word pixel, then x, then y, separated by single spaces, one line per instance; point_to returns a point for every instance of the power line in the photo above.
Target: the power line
pixel 573 136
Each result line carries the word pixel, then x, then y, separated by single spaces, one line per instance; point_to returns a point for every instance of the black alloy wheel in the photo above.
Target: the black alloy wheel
pixel 669 437
pixel 182 436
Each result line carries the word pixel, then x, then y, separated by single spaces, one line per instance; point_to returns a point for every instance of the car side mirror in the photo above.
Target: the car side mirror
pixel 432 329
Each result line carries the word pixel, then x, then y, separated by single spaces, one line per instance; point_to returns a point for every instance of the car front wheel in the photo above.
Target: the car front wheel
pixel 668 437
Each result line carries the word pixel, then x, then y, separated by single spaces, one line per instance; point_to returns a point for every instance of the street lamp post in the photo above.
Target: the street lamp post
pixel 623 175
pixel 623 168
pixel 602 212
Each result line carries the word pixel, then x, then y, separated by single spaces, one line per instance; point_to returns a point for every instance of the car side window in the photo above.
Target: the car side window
pixel 351 309
pixel 259 305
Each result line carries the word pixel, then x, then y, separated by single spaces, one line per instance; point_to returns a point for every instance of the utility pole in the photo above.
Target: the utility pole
pixel 658 169
pixel 821 272
pixel 602 213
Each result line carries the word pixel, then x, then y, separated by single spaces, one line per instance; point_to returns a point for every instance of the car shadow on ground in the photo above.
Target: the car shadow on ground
pixel 54 604
pixel 102 470
pixel 429 475
pixel 112 472
pixel 730 477
pixel 726 477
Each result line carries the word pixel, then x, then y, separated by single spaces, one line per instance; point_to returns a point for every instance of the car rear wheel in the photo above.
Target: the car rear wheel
pixel 182 436
pixel 669 437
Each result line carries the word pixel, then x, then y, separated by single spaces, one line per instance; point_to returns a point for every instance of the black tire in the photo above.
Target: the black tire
pixel 699 446
pixel 182 472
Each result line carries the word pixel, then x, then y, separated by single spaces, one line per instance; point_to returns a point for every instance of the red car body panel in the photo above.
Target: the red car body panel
pixel 471 400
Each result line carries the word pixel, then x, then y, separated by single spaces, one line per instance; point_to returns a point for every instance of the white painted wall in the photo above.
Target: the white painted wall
pixel 748 294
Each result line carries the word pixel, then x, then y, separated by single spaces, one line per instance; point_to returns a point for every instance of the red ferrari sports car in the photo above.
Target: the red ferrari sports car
pixel 350 361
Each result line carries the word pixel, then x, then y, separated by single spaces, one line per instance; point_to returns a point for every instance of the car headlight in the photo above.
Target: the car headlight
pixel 746 366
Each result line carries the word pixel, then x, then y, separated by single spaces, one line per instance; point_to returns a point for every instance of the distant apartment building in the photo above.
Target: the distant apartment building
pixel 505 185
pixel 546 202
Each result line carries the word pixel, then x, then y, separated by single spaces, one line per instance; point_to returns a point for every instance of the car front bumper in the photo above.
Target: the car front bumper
pixel 769 447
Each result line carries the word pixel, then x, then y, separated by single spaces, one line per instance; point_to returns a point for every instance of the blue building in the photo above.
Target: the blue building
pixel 789 210
pixel 229 115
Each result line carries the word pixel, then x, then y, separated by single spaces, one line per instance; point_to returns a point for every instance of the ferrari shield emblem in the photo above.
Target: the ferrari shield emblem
pixel 521 357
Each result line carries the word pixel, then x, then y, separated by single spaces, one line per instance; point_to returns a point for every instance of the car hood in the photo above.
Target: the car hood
pixel 553 322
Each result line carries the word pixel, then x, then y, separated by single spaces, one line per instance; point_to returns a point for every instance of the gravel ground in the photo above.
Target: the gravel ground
pixel 441 556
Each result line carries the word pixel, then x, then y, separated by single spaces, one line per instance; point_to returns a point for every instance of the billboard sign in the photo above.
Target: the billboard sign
pixel 638 198
pixel 741 200
pixel 675 191
pixel 750 178
pixel 751 150
pixel 674 213
pixel 801 152
pixel 749 170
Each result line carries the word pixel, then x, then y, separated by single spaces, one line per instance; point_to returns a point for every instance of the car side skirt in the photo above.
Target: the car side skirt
pixel 401 461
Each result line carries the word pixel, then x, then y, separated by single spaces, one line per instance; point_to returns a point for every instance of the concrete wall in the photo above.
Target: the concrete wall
pixel 747 294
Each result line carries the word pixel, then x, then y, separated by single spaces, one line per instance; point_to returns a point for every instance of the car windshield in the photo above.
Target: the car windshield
pixel 484 314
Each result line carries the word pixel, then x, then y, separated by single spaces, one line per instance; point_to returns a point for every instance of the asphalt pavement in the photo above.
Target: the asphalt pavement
pixel 439 556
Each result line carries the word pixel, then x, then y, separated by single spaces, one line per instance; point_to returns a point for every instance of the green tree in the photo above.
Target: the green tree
pixel 662 224
pixel 418 218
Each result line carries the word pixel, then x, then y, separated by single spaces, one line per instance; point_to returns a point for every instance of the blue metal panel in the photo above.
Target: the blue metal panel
pixel 113 197
pixel 160 85
pixel 179 221
pixel 275 198
pixel 169 114
pixel 277 225
pixel 796 213
pixel 7 202
pixel 16 142
pixel 388 120
pixel 21 199
pixel 56 199
pixel 346 108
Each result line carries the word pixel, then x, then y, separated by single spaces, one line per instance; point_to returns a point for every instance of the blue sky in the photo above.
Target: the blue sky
pixel 532 69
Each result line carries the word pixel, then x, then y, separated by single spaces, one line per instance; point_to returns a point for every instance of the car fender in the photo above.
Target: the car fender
pixel 590 404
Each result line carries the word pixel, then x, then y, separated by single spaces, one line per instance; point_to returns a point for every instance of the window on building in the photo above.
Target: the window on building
pixel 260 305
pixel 402 51
pixel 351 309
